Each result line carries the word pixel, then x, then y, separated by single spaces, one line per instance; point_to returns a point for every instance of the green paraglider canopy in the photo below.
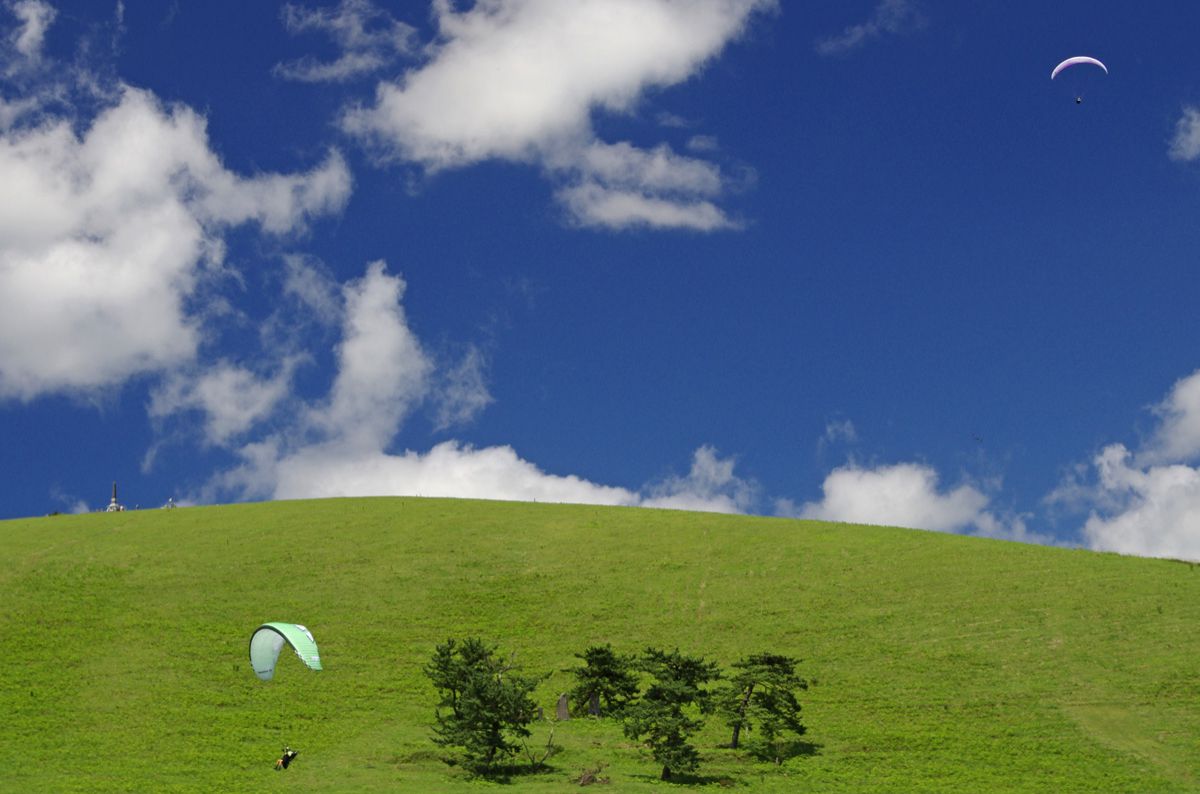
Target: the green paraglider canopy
pixel 268 639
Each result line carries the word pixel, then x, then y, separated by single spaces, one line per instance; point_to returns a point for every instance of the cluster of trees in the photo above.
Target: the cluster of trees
pixel 662 699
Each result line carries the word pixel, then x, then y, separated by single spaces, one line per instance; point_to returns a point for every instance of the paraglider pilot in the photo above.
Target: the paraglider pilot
pixel 288 756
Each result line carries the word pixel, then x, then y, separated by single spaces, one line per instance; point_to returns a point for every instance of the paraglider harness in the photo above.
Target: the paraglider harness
pixel 288 756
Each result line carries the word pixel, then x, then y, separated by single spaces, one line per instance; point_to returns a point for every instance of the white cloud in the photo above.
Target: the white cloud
pixel 382 371
pixel 1157 510
pixel 369 39
pixel 1145 502
pixel 309 282
pixel 703 143
pixel 233 399
pixel 279 203
pixel 710 486
pixel 339 446
pixel 594 205
pixel 657 170
pixel 463 392
pixel 519 80
pixel 11 111
pixel 1185 145
pixel 838 430
pixel 105 236
pixel 35 19
pixel 1177 437
pixel 907 495
pixel 889 17
pixel 619 185
pixel 904 494
pixel 448 469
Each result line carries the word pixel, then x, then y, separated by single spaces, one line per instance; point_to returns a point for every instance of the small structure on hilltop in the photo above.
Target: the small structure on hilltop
pixel 114 506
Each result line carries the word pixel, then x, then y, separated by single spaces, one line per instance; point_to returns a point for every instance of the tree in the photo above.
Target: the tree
pixel 489 704
pixel 606 676
pixel 672 708
pixel 763 692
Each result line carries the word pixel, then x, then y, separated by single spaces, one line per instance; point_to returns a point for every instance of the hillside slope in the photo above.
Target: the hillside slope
pixel 940 662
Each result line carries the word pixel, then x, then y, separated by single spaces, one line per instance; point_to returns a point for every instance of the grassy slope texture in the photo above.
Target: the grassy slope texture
pixel 942 663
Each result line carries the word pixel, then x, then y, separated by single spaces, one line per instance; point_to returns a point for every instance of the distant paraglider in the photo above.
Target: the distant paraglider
pixel 267 641
pixel 1075 61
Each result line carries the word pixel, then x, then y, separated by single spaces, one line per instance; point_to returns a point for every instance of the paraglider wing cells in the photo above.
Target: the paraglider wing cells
pixel 268 640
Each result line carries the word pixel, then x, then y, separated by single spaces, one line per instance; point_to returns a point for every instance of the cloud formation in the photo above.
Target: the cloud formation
pixel 1177 436
pixel 231 398
pixel 462 391
pixel 339 446
pixel 1146 502
pixel 907 495
pixel 1155 510
pixel 710 486
pixel 105 236
pixel 35 18
pixel 904 494
pixel 890 17
pixel 1185 144
pixel 519 80
pixel 368 38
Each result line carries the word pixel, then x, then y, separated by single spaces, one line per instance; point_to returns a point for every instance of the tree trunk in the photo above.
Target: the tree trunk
pixel 737 726
pixel 666 775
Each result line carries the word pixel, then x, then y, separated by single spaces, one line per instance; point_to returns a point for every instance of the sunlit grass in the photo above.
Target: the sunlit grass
pixel 940 662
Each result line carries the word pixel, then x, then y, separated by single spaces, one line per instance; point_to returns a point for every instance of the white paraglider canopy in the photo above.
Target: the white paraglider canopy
pixel 1075 61
pixel 268 640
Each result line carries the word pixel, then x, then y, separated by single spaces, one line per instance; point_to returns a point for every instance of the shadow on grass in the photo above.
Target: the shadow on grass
pixel 504 774
pixel 775 754
pixel 684 779
pixel 784 751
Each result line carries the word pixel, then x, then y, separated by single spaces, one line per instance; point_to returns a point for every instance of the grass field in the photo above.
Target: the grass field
pixel 941 663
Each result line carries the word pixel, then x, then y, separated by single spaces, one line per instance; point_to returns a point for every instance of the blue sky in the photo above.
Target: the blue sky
pixel 860 261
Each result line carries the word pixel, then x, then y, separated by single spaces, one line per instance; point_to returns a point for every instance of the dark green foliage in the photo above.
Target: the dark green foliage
pixel 489 703
pixel 762 693
pixel 606 675
pixel 672 708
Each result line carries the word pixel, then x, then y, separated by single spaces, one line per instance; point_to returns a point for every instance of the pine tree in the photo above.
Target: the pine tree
pixel 607 677
pixel 672 708
pixel 488 702
pixel 762 693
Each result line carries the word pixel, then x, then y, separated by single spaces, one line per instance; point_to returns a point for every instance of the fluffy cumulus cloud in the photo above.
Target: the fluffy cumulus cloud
pixel 368 39
pixel 890 17
pixel 1177 436
pixel 1147 502
pixel 106 234
pixel 1185 144
pixel 520 79
pixel 907 495
pixel 449 469
pixel 340 445
pixel 710 486
pixel 383 373
pixel 1153 510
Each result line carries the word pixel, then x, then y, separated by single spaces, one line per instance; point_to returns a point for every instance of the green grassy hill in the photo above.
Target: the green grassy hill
pixel 942 663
